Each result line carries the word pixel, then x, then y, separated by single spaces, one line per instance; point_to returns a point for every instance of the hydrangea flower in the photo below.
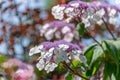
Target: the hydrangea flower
pixel 52 53
pixel 89 13
pixel 12 63
pixel 59 30
pixel 58 12
pixel 18 70
pixel 24 74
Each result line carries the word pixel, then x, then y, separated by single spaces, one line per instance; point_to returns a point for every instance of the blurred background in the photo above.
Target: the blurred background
pixel 20 21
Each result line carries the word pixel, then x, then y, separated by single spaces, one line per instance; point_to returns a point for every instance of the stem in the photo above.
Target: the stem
pixel 94 39
pixel 74 71
pixel 106 25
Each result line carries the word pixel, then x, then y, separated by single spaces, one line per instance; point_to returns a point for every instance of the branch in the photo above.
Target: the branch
pixel 106 25
pixel 92 37
pixel 74 71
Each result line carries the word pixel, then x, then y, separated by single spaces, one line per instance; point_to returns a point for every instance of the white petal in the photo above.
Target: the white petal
pixel 65 29
pixel 75 5
pixel 63 46
pixel 100 22
pixel 49 34
pixel 90 11
pixel 112 12
pixel 47 67
pixel 51 50
pixel 112 20
pixel 101 13
pixel 96 17
pixel 60 56
pixel 69 11
pixel 53 66
pixel 76 35
pixel 57 12
pixel 34 50
pixel 40 64
pixel 58 35
pixel 69 37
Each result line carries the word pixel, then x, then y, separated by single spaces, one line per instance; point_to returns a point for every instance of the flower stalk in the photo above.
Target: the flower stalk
pixel 76 73
pixel 107 27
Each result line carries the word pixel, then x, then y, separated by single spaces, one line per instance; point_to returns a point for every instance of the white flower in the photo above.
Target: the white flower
pixel 69 11
pixel 96 17
pixel 50 67
pixel 63 47
pixel 100 12
pixel 58 34
pixel 51 50
pixel 111 12
pixel 68 37
pixel 49 34
pixel 60 56
pixel 53 53
pixel 47 55
pixel 86 22
pixel 92 20
pixel 90 11
pixel 76 35
pixel 57 12
pixel 65 29
pixel 68 19
pixel 41 64
pixel 44 29
pixel 74 5
pixel 100 22
pixel 36 49
pixel 92 17
pixel 77 51
pixel 112 20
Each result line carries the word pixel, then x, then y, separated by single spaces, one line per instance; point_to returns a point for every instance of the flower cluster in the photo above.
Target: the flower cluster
pixel 59 30
pixel 18 70
pixel 52 53
pixel 89 13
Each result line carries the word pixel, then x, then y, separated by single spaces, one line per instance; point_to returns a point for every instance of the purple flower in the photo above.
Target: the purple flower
pixel 18 70
pixel 24 74
pixel 88 12
pixel 57 30
pixel 54 52
pixel 12 63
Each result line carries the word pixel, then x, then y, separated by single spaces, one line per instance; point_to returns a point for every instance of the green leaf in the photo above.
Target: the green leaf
pixel 69 76
pixel 93 68
pixel 89 52
pixel 92 56
pixel 113 77
pixel 111 53
pixel 111 50
pixel 117 44
pixel 76 63
pixel 80 28
pixel 109 69
pixel 97 53
pixel 2 58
